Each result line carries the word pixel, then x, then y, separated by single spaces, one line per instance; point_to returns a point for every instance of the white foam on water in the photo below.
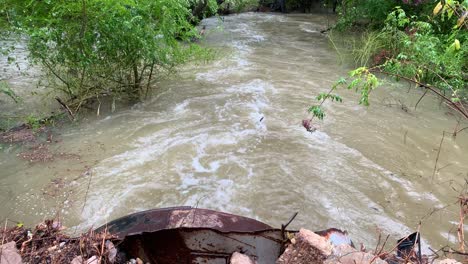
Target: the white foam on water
pixel 217 75
pixel 121 170
pixel 308 27
pixel 245 36
pixel 188 181
pixel 246 32
pixel 254 98
pixel 220 194
pixel 198 167
pixel 182 107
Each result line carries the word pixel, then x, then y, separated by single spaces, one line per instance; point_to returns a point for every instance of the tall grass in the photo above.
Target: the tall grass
pixel 372 42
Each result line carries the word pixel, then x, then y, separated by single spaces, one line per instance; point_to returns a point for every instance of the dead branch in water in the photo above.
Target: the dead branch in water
pixel 420 99
pixel 463 203
pixel 438 155
pixel 87 191
pixel 66 108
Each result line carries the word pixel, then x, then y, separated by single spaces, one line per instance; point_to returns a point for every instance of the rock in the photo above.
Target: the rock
pixel 447 261
pixel 56 225
pixel 77 260
pixel 92 260
pixel 132 261
pixel 306 247
pixel 139 261
pixel 52 248
pixel 9 254
pixel 62 244
pixel 112 251
pixel 238 258
pixel 345 254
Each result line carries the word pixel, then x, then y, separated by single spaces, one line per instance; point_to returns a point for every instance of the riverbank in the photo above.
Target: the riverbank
pixel 49 243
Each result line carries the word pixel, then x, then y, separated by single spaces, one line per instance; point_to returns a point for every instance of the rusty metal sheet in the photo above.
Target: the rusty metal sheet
pixel 192 235
pixel 177 217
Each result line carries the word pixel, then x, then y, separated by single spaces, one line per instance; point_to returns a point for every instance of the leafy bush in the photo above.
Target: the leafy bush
pixel 363 12
pixel 420 42
pixel 429 47
pixel 421 52
pixel 202 9
pixel 237 6
pixel 96 48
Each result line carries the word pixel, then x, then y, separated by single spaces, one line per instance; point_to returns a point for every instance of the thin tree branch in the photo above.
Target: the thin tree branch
pixel 426 86
pixel 420 99
pixel 438 155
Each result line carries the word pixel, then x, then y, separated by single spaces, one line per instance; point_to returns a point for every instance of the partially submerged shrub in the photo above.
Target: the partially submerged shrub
pixel 92 49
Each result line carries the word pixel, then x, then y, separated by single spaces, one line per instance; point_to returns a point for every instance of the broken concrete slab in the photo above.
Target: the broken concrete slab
pixel 306 247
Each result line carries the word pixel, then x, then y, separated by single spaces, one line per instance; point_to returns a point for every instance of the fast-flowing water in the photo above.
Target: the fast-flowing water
pixel 227 135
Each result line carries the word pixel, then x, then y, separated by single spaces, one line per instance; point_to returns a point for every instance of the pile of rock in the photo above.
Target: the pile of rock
pixel 308 247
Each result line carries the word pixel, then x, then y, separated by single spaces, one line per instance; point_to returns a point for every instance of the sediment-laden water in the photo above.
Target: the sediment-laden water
pixel 227 135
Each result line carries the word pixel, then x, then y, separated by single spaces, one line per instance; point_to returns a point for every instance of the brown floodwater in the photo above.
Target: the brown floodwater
pixel 227 135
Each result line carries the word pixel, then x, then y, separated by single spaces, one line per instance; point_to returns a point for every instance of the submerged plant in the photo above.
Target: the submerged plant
pixel 362 81
pixel 6 90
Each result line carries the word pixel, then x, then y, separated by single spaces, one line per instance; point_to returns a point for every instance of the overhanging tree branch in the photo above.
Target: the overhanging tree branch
pixel 455 106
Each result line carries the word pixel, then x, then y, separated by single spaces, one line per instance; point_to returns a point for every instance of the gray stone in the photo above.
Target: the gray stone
pixel 77 260
pixel 9 254
pixel 112 251
pixel 238 258
pixel 447 261
pixel 345 254
pixel 92 260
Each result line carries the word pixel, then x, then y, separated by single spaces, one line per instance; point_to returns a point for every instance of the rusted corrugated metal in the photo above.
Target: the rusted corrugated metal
pixel 183 216
pixel 191 235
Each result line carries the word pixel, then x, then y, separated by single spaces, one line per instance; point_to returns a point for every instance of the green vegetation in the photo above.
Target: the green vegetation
pixel 418 41
pixel 5 90
pixel 237 6
pixel 92 49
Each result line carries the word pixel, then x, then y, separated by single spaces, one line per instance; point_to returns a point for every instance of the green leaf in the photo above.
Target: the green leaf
pixel 437 8
pixel 317 112
pixel 4 89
